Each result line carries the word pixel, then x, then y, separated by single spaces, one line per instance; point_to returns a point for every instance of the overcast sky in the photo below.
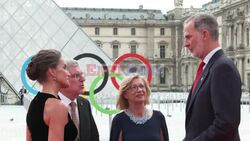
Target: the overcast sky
pixel 163 5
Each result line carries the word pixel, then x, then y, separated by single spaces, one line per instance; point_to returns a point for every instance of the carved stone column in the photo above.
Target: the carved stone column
pixel 235 34
pixel 240 34
pixel 229 41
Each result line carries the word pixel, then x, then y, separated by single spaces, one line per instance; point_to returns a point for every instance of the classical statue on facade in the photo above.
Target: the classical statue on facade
pixel 178 3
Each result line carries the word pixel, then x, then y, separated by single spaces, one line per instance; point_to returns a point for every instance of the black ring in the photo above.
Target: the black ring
pixel 105 69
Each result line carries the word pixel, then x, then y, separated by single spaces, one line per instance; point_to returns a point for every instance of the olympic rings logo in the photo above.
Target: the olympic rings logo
pixel 92 90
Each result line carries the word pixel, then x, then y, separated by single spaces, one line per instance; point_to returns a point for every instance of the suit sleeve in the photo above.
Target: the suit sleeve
pixel 94 132
pixel 225 98
pixel 115 129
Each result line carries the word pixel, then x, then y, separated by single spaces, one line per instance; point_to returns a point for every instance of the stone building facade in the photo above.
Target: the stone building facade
pixel 159 38
pixel 234 21
pixel 145 32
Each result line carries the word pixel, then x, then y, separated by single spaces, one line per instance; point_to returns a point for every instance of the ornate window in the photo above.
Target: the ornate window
pixel 162 48
pixel 133 46
pixel 115 51
pixel 115 46
pixel 162 51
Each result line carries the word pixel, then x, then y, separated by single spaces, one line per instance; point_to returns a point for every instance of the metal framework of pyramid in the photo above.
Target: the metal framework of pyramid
pixel 26 26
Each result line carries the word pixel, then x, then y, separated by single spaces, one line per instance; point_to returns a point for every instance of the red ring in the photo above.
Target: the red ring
pixel 127 55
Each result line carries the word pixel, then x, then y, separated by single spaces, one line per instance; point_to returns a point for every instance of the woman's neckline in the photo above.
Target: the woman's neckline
pixel 148 113
pixel 54 95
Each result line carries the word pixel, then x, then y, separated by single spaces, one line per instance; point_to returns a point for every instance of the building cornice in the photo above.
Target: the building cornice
pixel 125 23
pixel 110 9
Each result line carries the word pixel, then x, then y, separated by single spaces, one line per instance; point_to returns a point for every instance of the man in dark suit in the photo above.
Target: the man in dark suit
pixel 213 105
pixel 84 120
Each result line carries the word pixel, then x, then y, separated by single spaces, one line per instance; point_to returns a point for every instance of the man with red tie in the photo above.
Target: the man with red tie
pixel 213 105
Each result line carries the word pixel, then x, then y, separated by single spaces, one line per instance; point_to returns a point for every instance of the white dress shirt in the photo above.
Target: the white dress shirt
pixel 209 56
pixel 66 101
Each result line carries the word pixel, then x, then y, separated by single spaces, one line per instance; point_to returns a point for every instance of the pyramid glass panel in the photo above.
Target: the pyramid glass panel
pixel 21 16
pixel 4 16
pixel 21 38
pixel 11 6
pixel 27 26
pixel 11 27
pixel 31 27
pixel 4 38
pixel 30 6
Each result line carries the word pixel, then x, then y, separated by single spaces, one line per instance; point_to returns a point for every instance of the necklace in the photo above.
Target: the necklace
pixel 139 120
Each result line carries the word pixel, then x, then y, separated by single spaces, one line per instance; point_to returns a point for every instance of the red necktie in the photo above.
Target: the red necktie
pixel 198 75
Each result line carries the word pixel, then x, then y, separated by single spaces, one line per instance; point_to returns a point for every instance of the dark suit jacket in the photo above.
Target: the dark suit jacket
pixel 213 109
pixel 88 129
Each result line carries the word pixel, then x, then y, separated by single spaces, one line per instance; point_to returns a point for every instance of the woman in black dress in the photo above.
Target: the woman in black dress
pixel 136 122
pixel 47 117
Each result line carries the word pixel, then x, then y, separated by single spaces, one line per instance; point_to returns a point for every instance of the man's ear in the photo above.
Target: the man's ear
pixel 205 34
pixel 52 72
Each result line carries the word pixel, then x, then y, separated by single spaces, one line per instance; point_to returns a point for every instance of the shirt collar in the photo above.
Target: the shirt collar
pixel 209 55
pixel 66 101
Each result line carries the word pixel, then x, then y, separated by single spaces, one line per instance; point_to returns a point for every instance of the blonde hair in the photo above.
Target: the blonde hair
pixel 122 102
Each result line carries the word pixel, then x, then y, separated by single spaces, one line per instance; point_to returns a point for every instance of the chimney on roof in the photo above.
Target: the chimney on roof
pixel 140 6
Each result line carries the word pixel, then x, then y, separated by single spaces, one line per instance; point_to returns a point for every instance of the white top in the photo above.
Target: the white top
pixel 66 101
pixel 210 55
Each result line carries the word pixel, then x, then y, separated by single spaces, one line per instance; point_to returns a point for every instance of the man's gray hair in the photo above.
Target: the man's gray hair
pixel 205 21
pixel 71 63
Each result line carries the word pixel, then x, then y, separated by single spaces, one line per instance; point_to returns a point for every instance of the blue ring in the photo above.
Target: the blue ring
pixel 23 77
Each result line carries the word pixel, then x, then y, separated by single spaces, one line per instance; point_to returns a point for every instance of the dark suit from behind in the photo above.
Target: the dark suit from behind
pixel 213 109
pixel 88 129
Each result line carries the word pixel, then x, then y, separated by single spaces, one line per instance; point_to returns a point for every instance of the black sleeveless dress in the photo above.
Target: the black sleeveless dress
pixel 38 128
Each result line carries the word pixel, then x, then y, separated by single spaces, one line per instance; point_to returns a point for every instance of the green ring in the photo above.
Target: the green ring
pixel 92 98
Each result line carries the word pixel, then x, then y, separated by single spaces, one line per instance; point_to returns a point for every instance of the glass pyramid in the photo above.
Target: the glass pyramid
pixel 26 26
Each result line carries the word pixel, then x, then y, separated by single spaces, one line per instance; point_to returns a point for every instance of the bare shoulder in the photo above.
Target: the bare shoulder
pixel 55 111
pixel 55 105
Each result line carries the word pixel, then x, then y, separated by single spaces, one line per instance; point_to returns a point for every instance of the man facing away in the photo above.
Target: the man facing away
pixel 87 130
pixel 213 105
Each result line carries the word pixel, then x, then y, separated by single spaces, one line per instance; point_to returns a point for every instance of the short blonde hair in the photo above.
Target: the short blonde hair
pixel 122 102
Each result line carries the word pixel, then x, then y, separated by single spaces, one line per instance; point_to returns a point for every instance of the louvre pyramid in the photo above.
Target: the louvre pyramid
pixel 30 25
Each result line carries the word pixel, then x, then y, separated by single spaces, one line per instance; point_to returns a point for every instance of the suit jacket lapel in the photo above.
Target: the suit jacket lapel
pixel 82 114
pixel 192 96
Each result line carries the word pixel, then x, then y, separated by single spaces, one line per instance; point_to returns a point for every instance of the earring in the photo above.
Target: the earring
pixel 54 78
